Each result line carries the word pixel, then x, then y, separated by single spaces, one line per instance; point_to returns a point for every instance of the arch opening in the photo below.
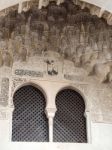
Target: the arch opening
pixel 69 122
pixel 29 121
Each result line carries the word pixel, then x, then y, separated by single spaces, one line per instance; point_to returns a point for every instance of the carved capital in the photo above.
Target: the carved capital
pixel 50 112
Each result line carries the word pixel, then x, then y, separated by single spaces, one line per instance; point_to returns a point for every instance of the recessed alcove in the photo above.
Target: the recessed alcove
pixel 29 122
pixel 69 121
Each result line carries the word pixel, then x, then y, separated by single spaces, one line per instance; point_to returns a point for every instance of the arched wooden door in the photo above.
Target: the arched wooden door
pixel 69 121
pixel 29 121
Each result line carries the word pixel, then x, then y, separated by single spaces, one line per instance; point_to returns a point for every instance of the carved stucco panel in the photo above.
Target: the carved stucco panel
pixel 16 82
pixel 83 90
pixel 4 92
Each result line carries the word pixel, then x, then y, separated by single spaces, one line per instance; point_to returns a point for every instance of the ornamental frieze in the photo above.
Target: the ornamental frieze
pixel 28 73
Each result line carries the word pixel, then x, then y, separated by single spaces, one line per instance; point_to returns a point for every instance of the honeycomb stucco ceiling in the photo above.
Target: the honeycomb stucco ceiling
pixel 106 5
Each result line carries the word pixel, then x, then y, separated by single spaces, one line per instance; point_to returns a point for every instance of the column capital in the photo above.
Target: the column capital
pixel 50 112
pixel 87 114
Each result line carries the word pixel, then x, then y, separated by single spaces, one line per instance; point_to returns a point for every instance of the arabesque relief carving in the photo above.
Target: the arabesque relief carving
pixel 66 29
pixel 28 73
pixel 4 92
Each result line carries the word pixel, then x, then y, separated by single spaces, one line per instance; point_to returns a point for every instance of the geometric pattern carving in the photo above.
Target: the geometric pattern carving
pixel 4 92
pixel 29 119
pixel 69 121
